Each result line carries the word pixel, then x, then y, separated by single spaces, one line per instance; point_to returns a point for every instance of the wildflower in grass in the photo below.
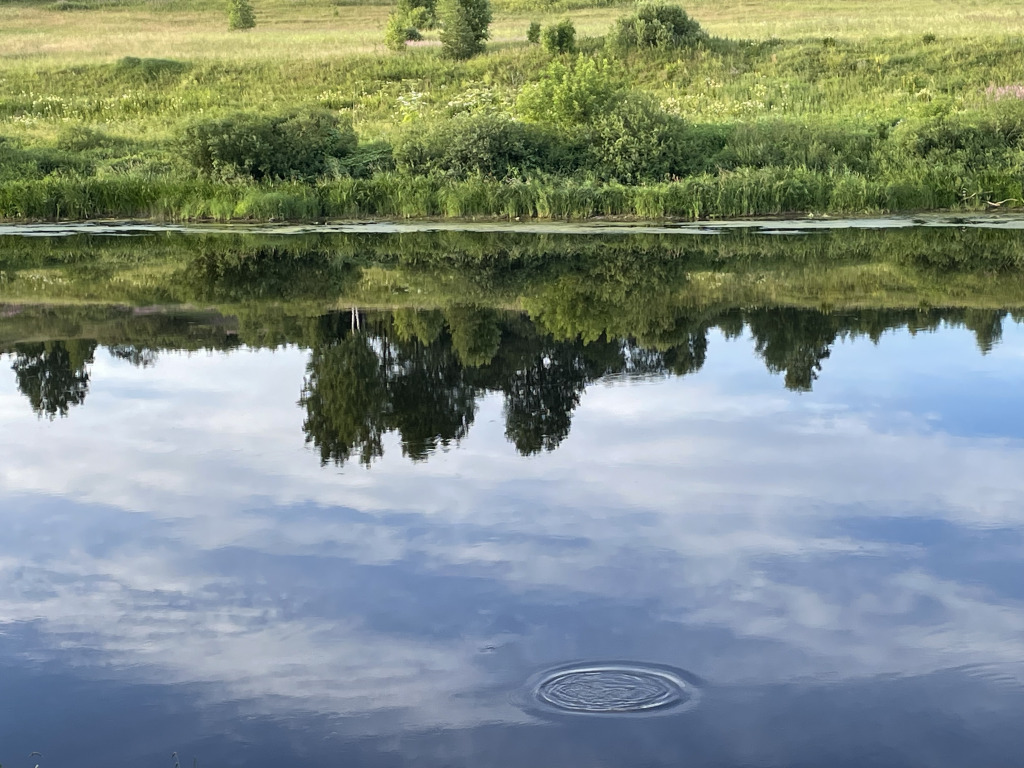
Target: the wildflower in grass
pixel 1014 91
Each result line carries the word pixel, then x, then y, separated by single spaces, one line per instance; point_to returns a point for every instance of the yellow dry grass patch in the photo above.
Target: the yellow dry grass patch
pixel 787 19
pixel 284 31
pixel 314 29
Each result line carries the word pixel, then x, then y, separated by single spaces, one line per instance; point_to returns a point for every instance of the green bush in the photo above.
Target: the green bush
pixel 700 149
pixel 241 14
pixel 636 141
pixel 363 162
pixel 655 25
pixel 294 145
pixel 973 139
pixel 405 22
pixel 398 31
pixel 570 94
pixel 560 37
pixel 490 145
pixel 38 162
pixel 464 27
pixel 788 144
pixel 533 33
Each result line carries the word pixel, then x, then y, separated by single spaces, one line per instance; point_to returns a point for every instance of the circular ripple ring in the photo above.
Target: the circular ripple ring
pixel 612 689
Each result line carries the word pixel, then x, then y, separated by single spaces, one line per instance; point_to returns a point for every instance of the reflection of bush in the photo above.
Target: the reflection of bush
pixel 263 272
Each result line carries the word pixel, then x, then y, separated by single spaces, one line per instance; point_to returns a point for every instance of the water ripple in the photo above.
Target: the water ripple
pixel 613 689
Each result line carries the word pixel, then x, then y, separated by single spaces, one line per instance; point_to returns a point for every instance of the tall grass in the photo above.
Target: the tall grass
pixel 741 193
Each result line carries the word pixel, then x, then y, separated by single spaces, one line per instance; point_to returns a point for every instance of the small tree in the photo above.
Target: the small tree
pixel 421 14
pixel 241 15
pixel 464 27
pixel 406 21
pixel 399 31
pixel 560 37
pixel 533 33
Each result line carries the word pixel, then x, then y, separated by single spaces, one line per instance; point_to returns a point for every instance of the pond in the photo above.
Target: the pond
pixel 512 499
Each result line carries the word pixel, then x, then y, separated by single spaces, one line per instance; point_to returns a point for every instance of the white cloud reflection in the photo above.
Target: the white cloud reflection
pixel 176 528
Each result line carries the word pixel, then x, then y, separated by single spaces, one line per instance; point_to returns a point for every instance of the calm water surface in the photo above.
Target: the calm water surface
pixel 384 542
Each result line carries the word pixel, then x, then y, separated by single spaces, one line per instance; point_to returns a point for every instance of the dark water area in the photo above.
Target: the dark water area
pixel 267 528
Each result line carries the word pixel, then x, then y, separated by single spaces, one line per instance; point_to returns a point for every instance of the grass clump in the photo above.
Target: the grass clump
pixel 149 71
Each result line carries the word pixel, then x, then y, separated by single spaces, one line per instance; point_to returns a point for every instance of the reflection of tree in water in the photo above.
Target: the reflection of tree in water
pixel 541 395
pixel 793 342
pixel 53 375
pixel 367 378
pixel 431 400
pixel 475 334
pixel 140 357
pixel 796 341
pixel 344 398
pixel 417 373
pixel 987 326
pixel 408 373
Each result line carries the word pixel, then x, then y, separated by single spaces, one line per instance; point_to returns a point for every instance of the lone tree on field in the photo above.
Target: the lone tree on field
pixel 241 15
pixel 464 26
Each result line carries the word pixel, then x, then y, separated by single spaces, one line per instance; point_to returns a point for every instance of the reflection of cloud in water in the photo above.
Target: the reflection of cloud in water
pixel 206 544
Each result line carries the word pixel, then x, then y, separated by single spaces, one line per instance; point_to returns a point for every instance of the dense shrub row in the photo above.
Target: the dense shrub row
pixel 573 122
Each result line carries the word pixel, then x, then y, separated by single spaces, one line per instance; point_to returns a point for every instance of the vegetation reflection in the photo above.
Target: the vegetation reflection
pixel 53 374
pixel 406 333
pixel 420 374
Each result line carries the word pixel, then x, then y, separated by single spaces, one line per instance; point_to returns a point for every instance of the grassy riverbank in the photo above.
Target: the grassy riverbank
pixel 827 107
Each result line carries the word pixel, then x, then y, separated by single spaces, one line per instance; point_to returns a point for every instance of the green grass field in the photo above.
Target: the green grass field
pixel 819 107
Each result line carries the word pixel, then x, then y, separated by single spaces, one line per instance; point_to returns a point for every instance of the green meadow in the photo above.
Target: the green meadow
pixel 155 109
